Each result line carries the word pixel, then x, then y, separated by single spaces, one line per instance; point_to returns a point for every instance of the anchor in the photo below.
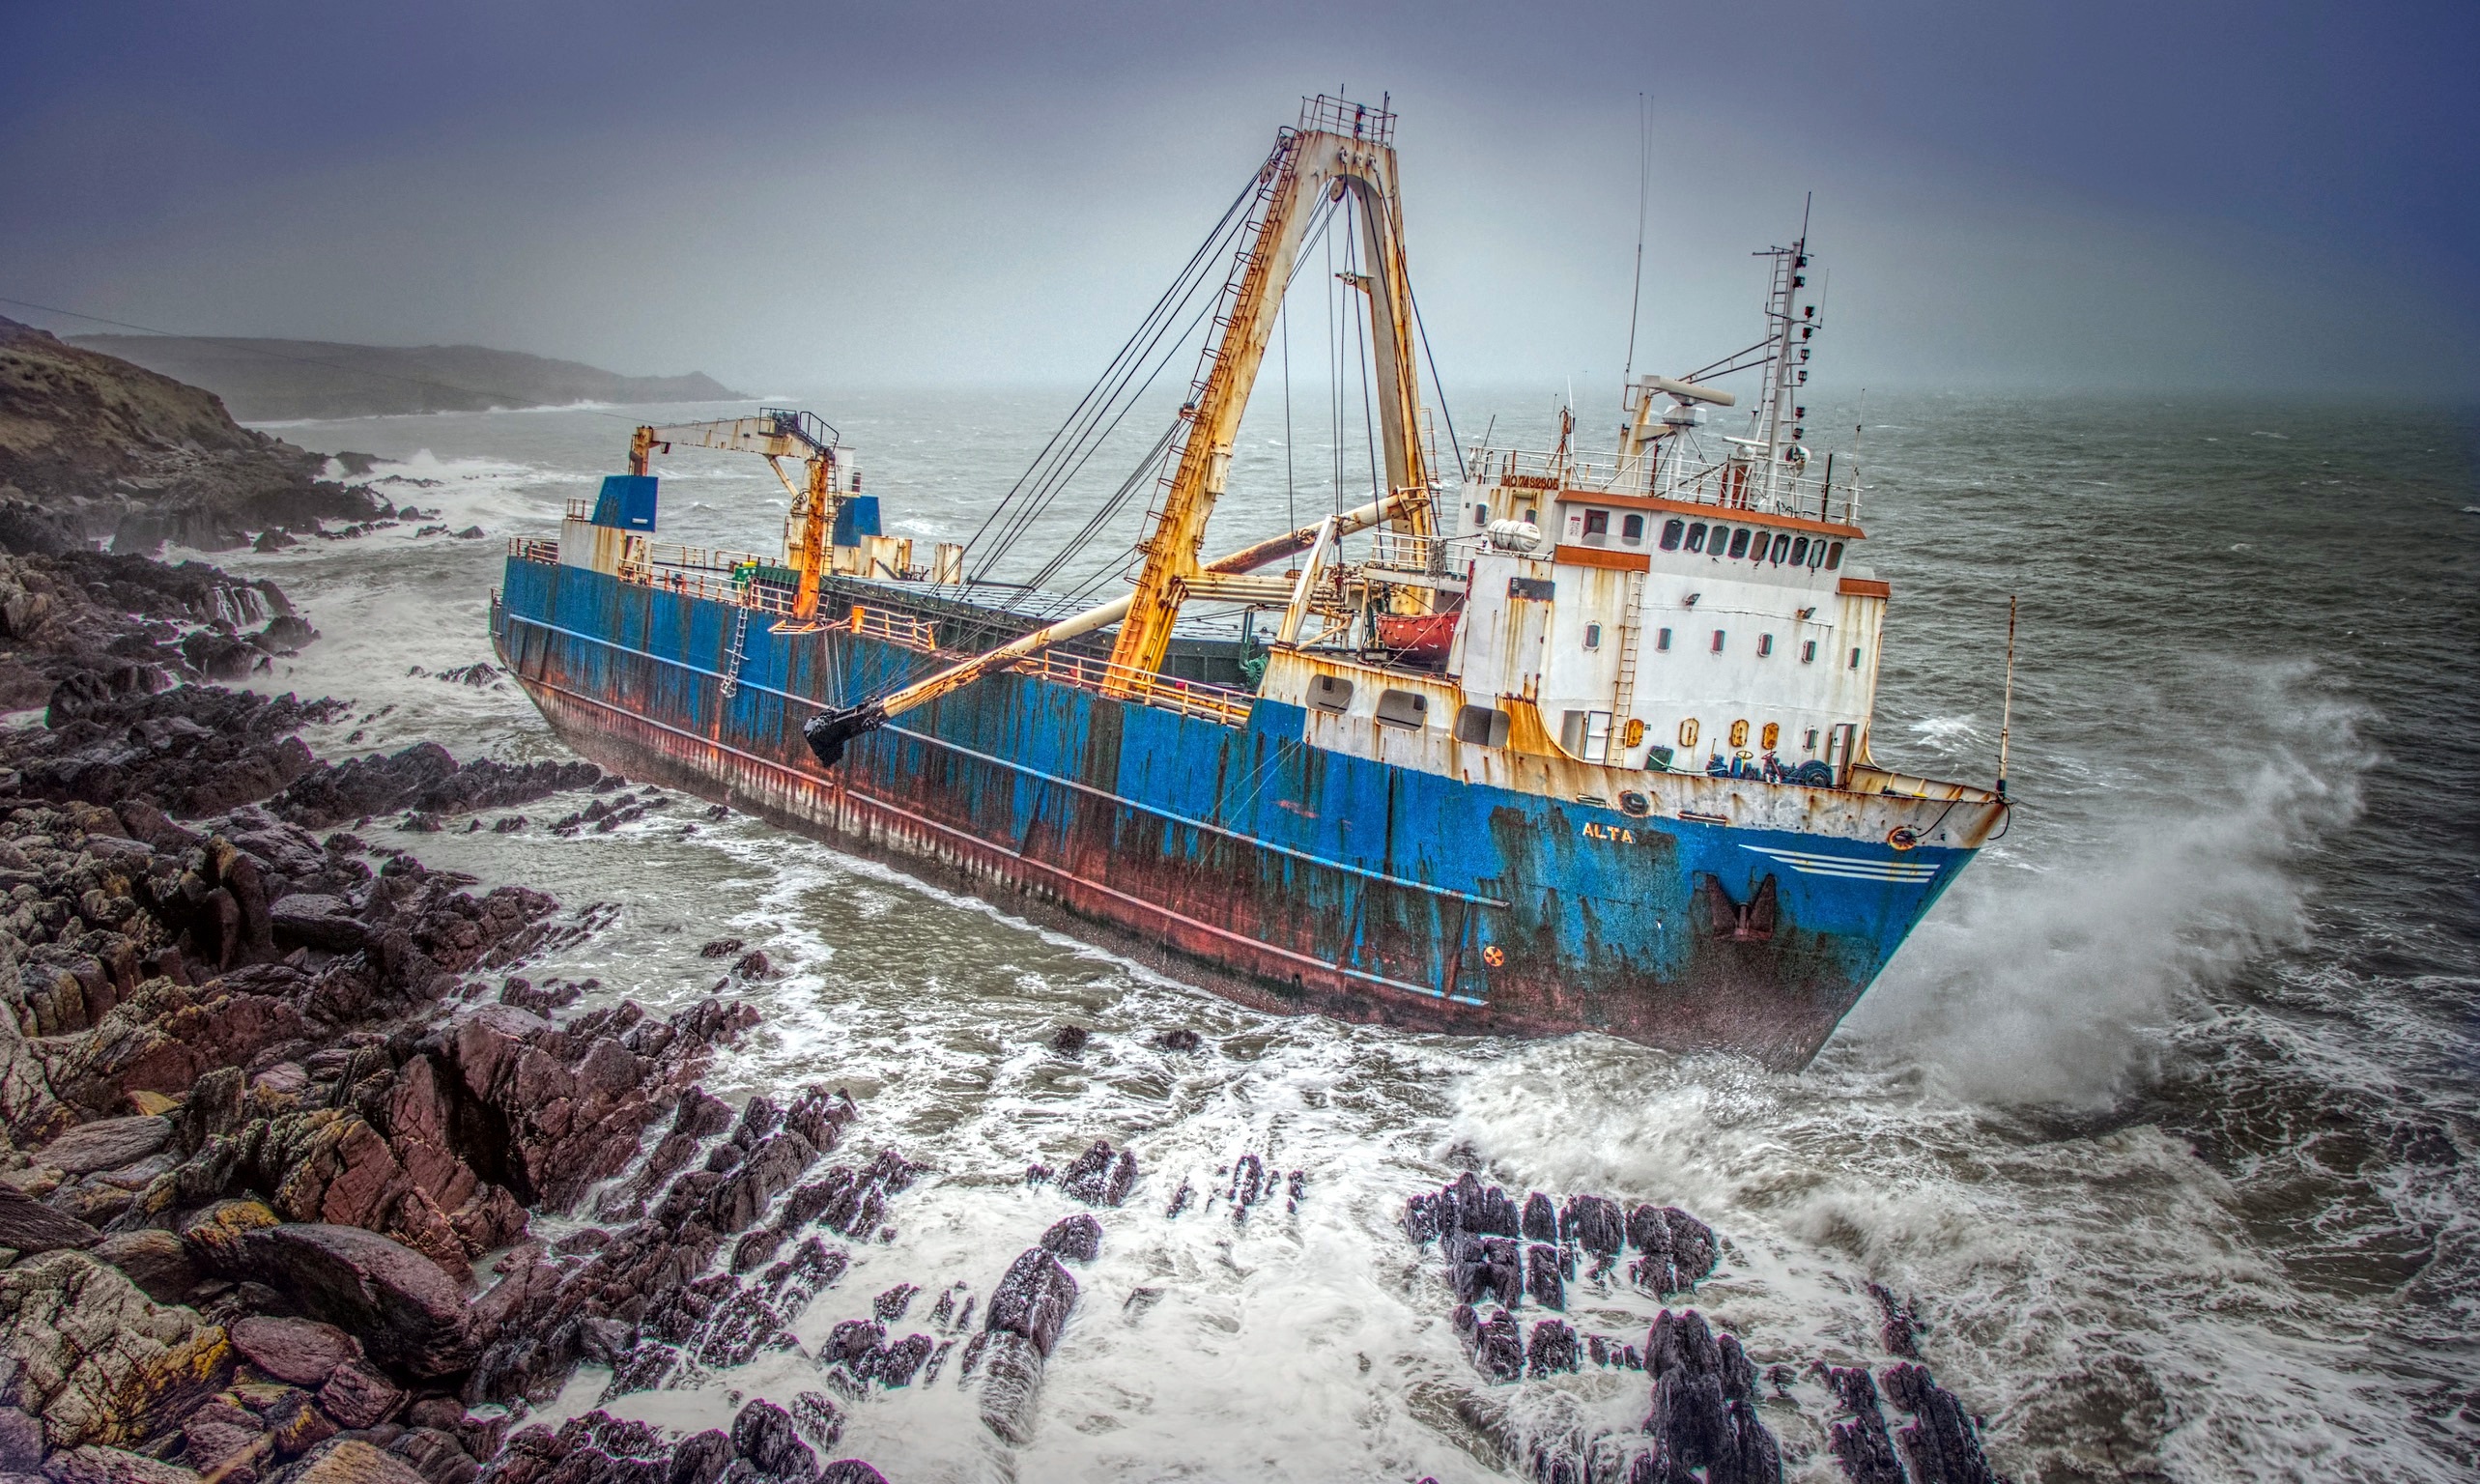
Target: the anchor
pixel 1749 921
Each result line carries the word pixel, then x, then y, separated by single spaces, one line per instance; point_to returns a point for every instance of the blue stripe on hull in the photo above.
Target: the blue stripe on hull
pixel 1281 872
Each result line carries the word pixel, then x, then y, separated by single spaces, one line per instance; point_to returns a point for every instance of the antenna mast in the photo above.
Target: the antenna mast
pixel 2007 715
pixel 1645 180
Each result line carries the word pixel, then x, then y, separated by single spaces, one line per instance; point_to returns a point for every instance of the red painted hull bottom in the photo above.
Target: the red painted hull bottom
pixel 826 810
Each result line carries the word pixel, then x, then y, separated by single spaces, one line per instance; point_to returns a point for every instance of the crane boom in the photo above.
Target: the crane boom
pixel 776 433
pixel 1342 151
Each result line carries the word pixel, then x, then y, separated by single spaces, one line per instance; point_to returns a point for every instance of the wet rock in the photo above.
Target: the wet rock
pixel 1942 1444
pixel 359 1397
pixel 316 920
pixel 155 1260
pixel 1011 1368
pixel 899 1362
pixel 22 1441
pixel 1542 1282
pixel 106 1143
pixel 1178 1039
pixel 1034 1300
pixel 436 1455
pixel 1594 1224
pixel 300 1351
pixel 817 1419
pixel 1100 1176
pixel 850 1471
pixel 701 1458
pixel 1497 1347
pixel 1539 1219
pixel 1898 1333
pixel 1553 1349
pixel 891 1305
pixel 1069 1039
pixel 763 1434
pixel 1078 1238
pixel 1860 1445
pixel 723 948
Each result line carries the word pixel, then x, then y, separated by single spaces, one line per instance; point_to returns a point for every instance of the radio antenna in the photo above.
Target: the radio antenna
pixel 1645 188
pixel 2007 715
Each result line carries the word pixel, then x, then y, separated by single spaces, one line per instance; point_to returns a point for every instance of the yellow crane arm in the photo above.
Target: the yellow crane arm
pixel 776 434
pixel 1334 152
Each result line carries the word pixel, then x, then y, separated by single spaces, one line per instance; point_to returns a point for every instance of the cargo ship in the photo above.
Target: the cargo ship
pixel 1527 743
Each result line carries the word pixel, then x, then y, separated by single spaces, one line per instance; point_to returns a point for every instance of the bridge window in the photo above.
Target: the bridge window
pixel 1739 542
pixel 1696 537
pixel 1817 553
pixel 1671 531
pixel 1765 646
pixel 1800 551
pixel 1781 545
pixel 1330 693
pixel 1631 530
pixel 1597 522
pixel 1662 639
pixel 1480 515
pixel 1833 556
pixel 1401 708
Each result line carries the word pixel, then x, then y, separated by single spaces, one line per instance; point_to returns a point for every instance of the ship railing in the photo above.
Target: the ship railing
pixel 1342 116
pixel 580 510
pixel 1187 697
pixel 906 630
pixel 1816 490
pixel 1401 551
pixel 535 549
pixel 705 558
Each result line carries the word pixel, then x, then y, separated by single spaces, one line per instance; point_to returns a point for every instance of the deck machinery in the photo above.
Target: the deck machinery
pixel 1575 742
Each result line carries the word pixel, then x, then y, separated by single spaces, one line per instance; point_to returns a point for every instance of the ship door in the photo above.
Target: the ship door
pixel 1840 745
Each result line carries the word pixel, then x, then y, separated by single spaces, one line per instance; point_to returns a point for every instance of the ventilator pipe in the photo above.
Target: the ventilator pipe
pixel 831 729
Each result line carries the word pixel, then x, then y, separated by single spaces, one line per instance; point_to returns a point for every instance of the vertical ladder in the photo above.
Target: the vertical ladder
pixel 739 652
pixel 1631 633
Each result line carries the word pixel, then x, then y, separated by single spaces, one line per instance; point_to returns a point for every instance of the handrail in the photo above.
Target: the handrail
pixel 1187 697
pixel 1675 473
pixel 904 630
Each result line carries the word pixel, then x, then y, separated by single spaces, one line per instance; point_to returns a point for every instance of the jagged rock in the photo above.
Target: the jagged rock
pixel 1078 1238
pixel 1941 1443
pixel 763 1434
pixel 98 1360
pixel 436 1455
pixel 1552 1350
pixel 94 1464
pixel 1542 1282
pixel 1178 1039
pixel 106 1143
pixel 701 1458
pixel 1011 1367
pixel 300 1351
pixel 22 1441
pixel 316 920
pixel 850 1471
pixel 1034 1300
pixel 359 1397
pixel 1539 1221
pixel 1594 1224
pixel 1099 1176
pixel 817 1419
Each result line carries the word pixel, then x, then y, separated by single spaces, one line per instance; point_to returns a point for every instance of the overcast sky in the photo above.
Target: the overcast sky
pixel 788 196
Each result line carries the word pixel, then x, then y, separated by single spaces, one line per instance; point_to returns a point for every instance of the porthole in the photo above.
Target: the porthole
pixel 1808 651
pixel 1688 732
pixel 1739 733
pixel 1662 639
pixel 1592 636
pixel 1772 734
pixel 1718 642
pixel 1809 741
pixel 1671 532
pixel 1765 646
pixel 1330 693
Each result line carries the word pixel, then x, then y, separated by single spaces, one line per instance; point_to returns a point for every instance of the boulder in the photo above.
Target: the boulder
pixel 350 1460
pixel 359 1397
pixel 155 1260
pixel 301 1350
pixel 106 1143
pixel 29 1226
pixel 763 1434
pixel 316 920
pixel 407 1311
pixel 1100 1176
pixel 91 1463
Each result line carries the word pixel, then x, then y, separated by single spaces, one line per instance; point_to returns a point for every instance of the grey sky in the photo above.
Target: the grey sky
pixel 788 196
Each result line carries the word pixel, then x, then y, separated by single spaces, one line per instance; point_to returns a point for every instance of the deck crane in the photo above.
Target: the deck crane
pixel 778 434
pixel 1340 151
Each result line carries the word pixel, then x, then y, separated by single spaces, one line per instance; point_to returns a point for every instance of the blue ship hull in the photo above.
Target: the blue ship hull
pixel 1284 875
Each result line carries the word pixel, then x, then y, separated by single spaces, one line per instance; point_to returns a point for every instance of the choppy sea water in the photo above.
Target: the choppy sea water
pixel 2167 1114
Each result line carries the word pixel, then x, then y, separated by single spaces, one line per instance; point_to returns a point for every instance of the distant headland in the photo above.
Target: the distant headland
pixel 266 381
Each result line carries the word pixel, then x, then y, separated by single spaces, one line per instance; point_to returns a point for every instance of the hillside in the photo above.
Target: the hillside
pixel 94 447
pixel 268 379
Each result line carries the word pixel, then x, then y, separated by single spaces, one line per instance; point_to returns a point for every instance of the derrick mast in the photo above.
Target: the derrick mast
pixel 1341 151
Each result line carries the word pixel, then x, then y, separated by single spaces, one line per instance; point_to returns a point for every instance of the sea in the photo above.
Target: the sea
pixel 2166 1119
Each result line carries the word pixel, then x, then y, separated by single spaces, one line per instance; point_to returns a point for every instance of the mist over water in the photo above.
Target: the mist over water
pixel 2166 1114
